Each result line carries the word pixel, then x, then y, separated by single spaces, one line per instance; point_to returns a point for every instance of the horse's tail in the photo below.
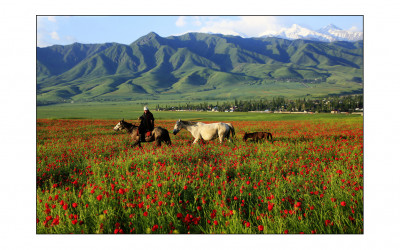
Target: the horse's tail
pixel 269 136
pixel 232 129
pixel 167 139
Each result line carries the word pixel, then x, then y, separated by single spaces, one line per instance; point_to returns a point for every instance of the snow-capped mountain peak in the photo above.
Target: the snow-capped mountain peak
pixel 342 35
pixel 328 28
pixel 328 33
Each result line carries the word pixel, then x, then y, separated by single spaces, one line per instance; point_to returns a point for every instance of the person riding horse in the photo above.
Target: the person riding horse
pixel 146 124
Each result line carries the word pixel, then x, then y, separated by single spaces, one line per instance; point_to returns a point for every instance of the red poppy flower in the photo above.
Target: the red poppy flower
pixel 145 213
pixel 260 228
pixel 74 205
pixel 343 203
pixel 56 221
pixel 65 207
pixel 99 197
pixel 328 222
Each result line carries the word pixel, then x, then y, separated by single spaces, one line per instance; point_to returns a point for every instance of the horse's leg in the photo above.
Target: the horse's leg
pixel 221 138
pixel 221 135
pixel 195 140
pixel 135 144
pixel 228 135
pixel 270 135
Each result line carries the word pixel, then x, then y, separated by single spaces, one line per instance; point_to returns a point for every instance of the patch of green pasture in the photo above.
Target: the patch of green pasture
pixel 132 110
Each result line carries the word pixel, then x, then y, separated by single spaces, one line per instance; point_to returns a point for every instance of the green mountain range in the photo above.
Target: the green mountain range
pixel 198 66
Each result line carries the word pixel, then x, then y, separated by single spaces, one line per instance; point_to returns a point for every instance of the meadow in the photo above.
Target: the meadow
pixel 309 179
pixel 133 109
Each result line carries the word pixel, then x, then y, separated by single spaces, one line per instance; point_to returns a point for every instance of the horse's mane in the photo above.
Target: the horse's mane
pixel 189 123
pixel 129 126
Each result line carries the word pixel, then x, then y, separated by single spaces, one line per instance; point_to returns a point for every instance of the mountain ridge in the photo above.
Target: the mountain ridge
pixel 329 33
pixel 200 63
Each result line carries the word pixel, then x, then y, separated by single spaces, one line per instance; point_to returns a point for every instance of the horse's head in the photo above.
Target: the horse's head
pixel 177 127
pixel 120 125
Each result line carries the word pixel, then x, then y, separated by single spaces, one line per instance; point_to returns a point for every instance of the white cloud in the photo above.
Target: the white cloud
pixel 54 35
pixel 42 31
pixel 197 21
pixel 355 29
pixel 41 40
pixel 48 31
pixel 181 21
pixel 70 39
pixel 52 19
pixel 246 26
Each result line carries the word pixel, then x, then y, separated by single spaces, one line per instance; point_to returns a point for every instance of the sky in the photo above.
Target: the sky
pixel 65 30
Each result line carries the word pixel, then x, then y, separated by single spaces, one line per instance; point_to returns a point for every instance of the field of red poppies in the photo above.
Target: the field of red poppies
pixel 308 180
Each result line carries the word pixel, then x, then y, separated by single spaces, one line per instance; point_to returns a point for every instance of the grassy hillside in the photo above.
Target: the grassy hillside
pixel 197 66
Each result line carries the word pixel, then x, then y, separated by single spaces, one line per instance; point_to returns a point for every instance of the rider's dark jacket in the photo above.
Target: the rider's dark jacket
pixel 146 122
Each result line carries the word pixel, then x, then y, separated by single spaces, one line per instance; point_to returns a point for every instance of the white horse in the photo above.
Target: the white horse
pixel 205 131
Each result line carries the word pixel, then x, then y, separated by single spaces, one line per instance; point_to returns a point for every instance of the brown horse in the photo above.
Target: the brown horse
pixel 256 136
pixel 158 135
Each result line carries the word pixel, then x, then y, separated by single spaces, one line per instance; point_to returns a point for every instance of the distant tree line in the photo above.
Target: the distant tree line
pixel 321 105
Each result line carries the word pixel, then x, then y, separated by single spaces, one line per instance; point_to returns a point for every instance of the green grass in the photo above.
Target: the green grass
pixel 132 110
